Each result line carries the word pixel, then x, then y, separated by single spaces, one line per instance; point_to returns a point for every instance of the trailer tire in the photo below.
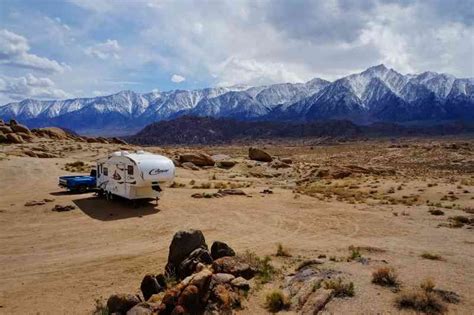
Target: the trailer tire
pixel 82 189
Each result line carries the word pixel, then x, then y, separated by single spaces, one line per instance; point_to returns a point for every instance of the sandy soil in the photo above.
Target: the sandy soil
pixel 58 263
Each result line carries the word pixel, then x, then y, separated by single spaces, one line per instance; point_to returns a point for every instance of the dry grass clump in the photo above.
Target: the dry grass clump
pixel 220 185
pixel 266 272
pixel 385 276
pixel 341 289
pixel 281 251
pixel 426 298
pixel 276 301
pixel 431 256
pixel 460 221
pixel 205 185
pixel 77 167
pixel 436 212
pixel 177 185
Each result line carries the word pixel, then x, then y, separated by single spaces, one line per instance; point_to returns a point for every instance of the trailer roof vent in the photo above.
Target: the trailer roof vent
pixel 125 153
pixel 140 152
pixel 117 153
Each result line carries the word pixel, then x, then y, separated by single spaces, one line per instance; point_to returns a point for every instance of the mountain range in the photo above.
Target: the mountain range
pixel 378 94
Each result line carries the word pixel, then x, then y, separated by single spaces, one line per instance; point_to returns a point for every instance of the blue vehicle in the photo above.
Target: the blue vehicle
pixel 79 183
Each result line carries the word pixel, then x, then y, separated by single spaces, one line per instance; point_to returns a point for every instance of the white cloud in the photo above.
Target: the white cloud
pixel 14 52
pixel 108 49
pixel 176 78
pixel 249 71
pixel 30 86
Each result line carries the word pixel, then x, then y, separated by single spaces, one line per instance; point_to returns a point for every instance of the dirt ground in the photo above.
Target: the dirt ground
pixel 61 262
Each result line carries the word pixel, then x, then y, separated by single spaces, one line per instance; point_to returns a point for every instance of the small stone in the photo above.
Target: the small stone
pixel 240 283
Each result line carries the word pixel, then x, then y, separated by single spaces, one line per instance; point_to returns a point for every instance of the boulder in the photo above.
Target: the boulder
pixel 201 280
pixel 20 128
pixel 188 265
pixel 183 244
pixel 2 122
pixel 3 138
pixel 233 192
pixel 46 155
pixel 240 283
pixel 118 141
pixel 26 136
pixel 221 249
pixel 226 164
pixel 14 138
pixel 29 153
pixel 102 140
pixel 259 155
pixel 219 278
pixel 233 266
pixel 121 303
pixel 220 157
pixel 199 159
pixel 150 286
pixel 6 129
pixel 189 298
pixel 316 301
pixel 13 122
pixel 142 308
pixel 279 164
pixel 52 132
pixel 189 166
pixel 287 160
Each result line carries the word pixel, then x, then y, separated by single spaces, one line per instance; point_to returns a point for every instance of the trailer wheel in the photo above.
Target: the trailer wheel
pixel 82 189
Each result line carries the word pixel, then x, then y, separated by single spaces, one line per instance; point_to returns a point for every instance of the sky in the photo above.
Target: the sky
pixel 84 48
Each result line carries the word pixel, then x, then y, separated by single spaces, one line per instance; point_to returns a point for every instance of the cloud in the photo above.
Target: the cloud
pixel 14 52
pixel 106 50
pixel 30 86
pixel 176 78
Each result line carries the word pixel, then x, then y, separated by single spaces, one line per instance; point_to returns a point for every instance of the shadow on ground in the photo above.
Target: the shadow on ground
pixel 118 209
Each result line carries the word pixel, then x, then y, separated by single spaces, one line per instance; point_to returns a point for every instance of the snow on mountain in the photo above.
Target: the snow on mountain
pixel 378 93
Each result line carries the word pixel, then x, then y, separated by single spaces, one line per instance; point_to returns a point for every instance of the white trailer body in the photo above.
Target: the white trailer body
pixel 134 175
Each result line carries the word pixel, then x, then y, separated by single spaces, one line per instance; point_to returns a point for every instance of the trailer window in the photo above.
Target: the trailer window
pixel 130 169
pixel 106 171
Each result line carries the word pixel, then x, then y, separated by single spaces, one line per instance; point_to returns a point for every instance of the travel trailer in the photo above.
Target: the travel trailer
pixel 133 175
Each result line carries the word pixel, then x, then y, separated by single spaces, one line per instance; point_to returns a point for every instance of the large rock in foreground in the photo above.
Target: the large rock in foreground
pixel 234 266
pixel 199 159
pixel 182 245
pixel 221 249
pixel 259 155
pixel 121 303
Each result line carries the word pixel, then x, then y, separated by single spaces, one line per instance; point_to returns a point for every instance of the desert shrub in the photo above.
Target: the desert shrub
pixel 177 185
pixel 436 212
pixel 265 270
pixel 355 253
pixel 282 252
pixel 386 277
pixel 421 301
pixel 192 182
pixel 431 256
pixel 460 221
pixel 276 301
pixel 220 185
pixel 202 186
pixel 341 289
pixel 427 284
pixel 77 166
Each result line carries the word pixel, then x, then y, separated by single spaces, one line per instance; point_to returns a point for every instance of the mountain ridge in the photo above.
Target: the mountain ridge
pixel 375 94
